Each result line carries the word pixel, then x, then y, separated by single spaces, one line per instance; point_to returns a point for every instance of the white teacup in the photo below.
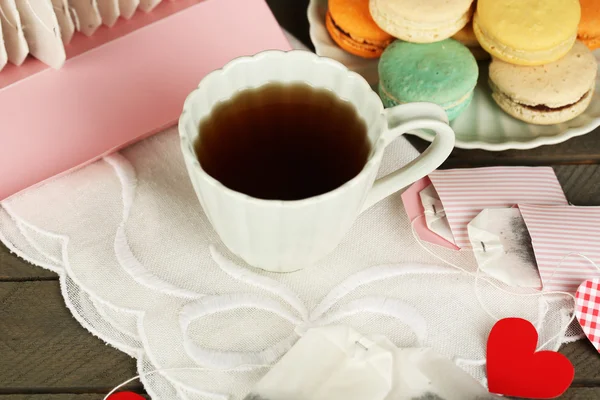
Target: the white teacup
pixel 284 236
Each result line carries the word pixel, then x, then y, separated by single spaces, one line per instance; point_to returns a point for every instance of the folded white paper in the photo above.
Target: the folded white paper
pixel 42 31
pixel 65 21
pixel 87 14
pixel 109 11
pixel 14 38
pixel 127 7
pixel 435 216
pixel 148 5
pixel 3 54
pixel 503 248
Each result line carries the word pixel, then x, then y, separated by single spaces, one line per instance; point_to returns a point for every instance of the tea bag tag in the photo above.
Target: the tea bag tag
pixel 503 248
pixel 326 364
pixel 435 216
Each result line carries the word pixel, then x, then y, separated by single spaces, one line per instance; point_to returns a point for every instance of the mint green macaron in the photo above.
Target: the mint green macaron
pixel 444 73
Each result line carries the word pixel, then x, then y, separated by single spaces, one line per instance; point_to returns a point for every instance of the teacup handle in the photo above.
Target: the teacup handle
pixel 405 118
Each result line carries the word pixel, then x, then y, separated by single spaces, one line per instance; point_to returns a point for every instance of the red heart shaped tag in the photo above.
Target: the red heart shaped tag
pixel 125 396
pixel 587 310
pixel 514 368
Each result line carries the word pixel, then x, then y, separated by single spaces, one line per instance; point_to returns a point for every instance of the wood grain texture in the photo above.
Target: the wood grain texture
pixel 579 150
pixel 586 361
pixel 573 393
pixel 12 268
pixel 43 347
pixel 581 183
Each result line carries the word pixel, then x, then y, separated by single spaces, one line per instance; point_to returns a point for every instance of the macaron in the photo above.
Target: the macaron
pixel 527 32
pixel 589 26
pixel 351 27
pixel 546 94
pixel 421 21
pixel 467 37
pixel 444 73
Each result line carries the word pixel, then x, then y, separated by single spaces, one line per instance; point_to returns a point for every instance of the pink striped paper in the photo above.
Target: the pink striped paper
pixel 466 192
pixel 555 233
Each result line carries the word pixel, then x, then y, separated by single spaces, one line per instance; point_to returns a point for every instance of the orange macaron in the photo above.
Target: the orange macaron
pixel 351 26
pixel 589 26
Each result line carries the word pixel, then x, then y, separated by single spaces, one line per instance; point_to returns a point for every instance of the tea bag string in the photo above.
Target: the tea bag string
pixel 477 277
pixel 193 369
pixel 564 258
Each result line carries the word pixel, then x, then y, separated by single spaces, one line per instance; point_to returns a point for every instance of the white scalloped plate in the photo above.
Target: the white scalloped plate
pixel 483 125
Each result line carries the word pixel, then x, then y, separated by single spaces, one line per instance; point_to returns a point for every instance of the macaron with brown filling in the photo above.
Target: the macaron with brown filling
pixel 351 27
pixel 546 94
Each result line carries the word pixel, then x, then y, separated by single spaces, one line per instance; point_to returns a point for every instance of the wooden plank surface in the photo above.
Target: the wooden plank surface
pixel 44 349
pixel 12 268
pixel 579 150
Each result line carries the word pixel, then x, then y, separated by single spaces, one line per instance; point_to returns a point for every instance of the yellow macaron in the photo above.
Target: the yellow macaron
pixel 527 32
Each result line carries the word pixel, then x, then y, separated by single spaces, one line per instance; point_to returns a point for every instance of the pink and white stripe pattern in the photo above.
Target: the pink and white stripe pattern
pixel 557 232
pixel 466 192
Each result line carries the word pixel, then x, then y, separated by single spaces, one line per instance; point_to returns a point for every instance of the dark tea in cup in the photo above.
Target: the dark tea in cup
pixel 283 142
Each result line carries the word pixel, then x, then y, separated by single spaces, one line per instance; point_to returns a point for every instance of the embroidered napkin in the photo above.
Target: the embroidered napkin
pixel 562 234
pixel 466 192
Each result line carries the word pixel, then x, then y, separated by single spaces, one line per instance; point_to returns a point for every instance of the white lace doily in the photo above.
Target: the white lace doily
pixel 141 268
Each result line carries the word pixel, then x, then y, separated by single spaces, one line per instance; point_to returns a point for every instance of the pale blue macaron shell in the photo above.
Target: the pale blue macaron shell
pixel 442 73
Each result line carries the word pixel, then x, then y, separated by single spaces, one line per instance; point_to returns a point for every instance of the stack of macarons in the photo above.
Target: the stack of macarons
pixel 539 73
pixel 542 69
pixel 419 61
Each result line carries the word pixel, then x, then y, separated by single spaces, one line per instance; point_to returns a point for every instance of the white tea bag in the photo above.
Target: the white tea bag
pixel 109 11
pixel 63 16
pixel 435 216
pixel 420 373
pixel 127 7
pixel 3 54
pixel 503 248
pixel 330 363
pixel 42 31
pixel 14 38
pixel 337 363
pixel 148 5
pixel 87 14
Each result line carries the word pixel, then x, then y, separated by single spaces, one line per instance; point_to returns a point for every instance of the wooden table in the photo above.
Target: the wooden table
pixel 46 355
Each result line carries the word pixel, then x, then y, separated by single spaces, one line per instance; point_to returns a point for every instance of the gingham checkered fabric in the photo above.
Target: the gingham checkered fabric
pixel 587 310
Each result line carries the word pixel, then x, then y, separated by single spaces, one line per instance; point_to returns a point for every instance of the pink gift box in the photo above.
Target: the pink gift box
pixel 120 85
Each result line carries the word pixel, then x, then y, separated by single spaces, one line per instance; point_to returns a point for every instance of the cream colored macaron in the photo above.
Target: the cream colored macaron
pixel 546 94
pixel 421 21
